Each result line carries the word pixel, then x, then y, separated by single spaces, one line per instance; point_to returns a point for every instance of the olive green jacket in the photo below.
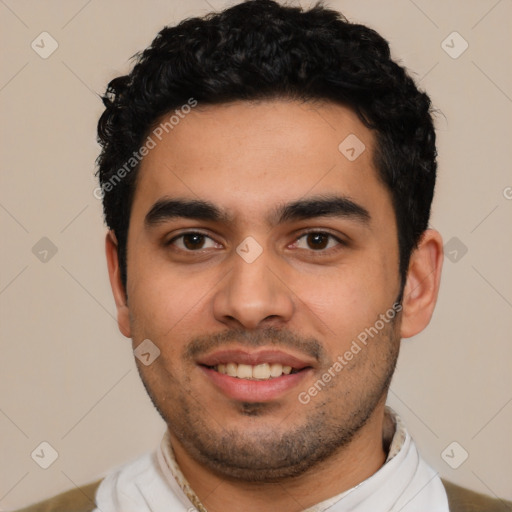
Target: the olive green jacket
pixel 82 500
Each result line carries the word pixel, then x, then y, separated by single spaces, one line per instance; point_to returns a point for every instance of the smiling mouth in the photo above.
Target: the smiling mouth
pixel 264 371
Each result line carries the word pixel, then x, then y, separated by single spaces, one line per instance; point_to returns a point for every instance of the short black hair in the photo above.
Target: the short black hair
pixel 259 50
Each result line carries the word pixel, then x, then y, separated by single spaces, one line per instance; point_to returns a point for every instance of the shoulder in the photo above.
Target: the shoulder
pixel 80 499
pixel 465 500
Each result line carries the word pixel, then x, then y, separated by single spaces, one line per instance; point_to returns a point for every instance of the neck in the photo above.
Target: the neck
pixel 346 468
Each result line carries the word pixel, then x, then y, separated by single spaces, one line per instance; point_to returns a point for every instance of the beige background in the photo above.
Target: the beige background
pixel 68 376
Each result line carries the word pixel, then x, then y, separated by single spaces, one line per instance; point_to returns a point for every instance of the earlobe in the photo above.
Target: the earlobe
pixel 123 316
pixel 422 284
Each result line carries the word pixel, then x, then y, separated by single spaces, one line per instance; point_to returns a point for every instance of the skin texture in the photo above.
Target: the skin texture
pixel 307 299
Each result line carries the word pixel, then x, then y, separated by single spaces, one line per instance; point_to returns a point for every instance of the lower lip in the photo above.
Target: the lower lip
pixel 245 390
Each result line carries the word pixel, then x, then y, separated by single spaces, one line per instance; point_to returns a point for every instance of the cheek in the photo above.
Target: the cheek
pixel 163 300
pixel 345 302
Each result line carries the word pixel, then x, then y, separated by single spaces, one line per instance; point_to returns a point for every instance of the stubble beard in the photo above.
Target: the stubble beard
pixel 267 454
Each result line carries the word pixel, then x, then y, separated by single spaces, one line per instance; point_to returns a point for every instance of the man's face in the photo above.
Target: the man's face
pixel 269 249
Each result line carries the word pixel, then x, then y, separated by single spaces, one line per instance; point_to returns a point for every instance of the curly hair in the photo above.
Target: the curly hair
pixel 260 50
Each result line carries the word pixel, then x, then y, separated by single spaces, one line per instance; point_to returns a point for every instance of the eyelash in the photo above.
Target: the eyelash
pixel 339 242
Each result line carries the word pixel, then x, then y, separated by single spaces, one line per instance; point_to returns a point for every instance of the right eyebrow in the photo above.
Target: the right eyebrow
pixel 165 209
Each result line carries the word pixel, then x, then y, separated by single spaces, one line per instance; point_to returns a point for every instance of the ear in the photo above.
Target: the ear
pixel 422 284
pixel 114 273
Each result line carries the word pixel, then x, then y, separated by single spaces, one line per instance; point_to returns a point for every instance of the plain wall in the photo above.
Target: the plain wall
pixel 68 376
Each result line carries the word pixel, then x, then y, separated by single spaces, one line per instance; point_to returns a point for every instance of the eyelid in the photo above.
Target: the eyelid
pixel 338 237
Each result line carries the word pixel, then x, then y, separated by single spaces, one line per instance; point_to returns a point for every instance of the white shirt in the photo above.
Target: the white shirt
pixel 154 483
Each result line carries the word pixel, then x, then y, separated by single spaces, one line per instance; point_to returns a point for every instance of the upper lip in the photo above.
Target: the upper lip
pixel 241 356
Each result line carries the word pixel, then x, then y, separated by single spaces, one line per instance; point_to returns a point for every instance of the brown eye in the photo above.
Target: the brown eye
pixel 193 241
pixel 317 241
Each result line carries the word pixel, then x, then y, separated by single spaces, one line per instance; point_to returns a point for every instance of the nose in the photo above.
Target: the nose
pixel 253 295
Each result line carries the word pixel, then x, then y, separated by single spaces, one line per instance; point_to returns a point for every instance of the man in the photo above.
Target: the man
pixel 267 175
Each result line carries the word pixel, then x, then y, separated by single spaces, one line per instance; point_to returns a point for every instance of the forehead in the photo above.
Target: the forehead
pixel 247 157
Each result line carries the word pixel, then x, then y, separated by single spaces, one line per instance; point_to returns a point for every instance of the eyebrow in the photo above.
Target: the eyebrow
pixel 331 206
pixel 166 209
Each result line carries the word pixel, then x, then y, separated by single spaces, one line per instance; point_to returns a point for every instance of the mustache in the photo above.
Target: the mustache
pixel 269 336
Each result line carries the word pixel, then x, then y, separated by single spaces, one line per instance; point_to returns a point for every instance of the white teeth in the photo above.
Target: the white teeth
pixel 244 371
pixel 231 369
pixel 262 371
pixel 276 370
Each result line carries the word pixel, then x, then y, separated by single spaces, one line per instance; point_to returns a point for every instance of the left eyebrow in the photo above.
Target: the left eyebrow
pixel 330 206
